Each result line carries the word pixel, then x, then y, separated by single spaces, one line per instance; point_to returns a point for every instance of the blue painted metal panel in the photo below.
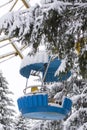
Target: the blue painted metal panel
pixel 36 107
pixel 54 65
pixel 67 104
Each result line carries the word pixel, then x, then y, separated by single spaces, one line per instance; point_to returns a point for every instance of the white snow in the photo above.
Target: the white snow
pixel 83 127
pixel 18 19
pixel 1 127
pixel 58 95
pixel 61 67
pixel 73 115
pixel 56 5
pixel 86 47
pixel 56 105
pixel 39 57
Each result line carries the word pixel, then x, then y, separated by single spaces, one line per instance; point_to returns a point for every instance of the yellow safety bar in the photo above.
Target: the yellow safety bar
pixel 34 89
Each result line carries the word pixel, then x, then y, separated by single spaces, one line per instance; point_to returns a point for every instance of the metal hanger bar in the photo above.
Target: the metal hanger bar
pixel 7 54
pixel 13 5
pixel 17 49
pixel 4 38
pixel 46 71
pixel 11 53
pixel 51 59
pixel 7 59
pixel 4 45
pixel 5 3
pixel 25 3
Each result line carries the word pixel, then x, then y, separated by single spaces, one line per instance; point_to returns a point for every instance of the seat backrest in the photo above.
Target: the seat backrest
pixel 67 104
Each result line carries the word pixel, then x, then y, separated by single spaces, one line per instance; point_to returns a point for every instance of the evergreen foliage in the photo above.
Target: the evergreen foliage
pixel 21 123
pixel 6 106
pixel 78 117
pixel 61 24
pixel 26 124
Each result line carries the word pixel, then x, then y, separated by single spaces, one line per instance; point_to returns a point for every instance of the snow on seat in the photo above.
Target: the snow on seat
pixel 39 62
pixel 35 106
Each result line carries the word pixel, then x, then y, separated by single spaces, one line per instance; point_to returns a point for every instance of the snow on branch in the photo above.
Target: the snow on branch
pixel 78 116
pixel 83 127
pixel 17 21
pixel 55 5
pixel 61 67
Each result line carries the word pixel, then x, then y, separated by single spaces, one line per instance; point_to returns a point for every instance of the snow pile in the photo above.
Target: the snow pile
pixel 1 127
pixel 39 57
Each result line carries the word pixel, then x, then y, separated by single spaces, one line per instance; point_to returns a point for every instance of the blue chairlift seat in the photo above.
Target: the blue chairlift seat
pixel 36 106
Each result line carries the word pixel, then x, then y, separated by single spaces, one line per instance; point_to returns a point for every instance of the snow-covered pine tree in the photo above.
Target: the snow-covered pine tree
pixel 22 123
pixel 51 125
pixel 62 25
pixel 78 118
pixel 6 105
